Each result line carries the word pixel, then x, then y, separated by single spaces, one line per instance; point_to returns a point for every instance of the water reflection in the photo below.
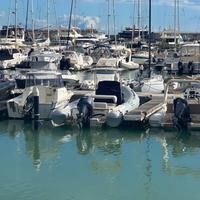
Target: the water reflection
pixel 106 147
pixel 177 146
pixel 39 145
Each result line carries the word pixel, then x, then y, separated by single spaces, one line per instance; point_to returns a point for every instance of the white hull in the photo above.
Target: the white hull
pixel 154 85
pixel 129 65
pixel 108 114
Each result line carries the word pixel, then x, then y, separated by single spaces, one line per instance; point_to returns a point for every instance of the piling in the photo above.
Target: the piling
pixel 36 108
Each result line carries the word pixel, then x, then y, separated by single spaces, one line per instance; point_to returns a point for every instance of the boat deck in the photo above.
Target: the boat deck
pixel 145 110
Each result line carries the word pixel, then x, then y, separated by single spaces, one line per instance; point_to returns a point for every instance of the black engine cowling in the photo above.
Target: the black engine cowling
pixel 65 63
pixel 85 109
pixel 181 114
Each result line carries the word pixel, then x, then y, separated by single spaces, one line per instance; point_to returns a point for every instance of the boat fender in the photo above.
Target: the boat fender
pixel 114 118
pixel 181 114
pixel 85 110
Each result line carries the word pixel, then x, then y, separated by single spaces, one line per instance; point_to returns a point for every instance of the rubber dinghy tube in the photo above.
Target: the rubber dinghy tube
pixel 36 108
pixel 114 118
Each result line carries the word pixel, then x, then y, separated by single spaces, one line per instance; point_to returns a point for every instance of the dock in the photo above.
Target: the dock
pixel 143 112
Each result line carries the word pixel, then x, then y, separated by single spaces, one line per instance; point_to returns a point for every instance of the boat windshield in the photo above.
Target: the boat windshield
pixel 44 80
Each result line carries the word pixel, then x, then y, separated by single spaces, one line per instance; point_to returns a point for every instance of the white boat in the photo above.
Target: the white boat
pixel 105 106
pixel 155 84
pixel 129 64
pixel 9 57
pixel 180 107
pixel 140 58
pixel 52 95
pixel 41 59
pixel 78 61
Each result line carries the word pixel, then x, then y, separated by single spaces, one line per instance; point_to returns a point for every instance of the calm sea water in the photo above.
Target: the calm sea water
pixel 69 164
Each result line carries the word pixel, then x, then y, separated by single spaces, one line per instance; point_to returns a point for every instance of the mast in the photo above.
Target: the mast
pixel 74 14
pixel 8 24
pixel 108 19
pixel 16 20
pixel 149 38
pixel 48 20
pixel 175 7
pixel 114 26
pixel 70 21
pixel 139 19
pixel 33 27
pixel 178 16
pixel 133 26
pixel 58 28
pixel 27 11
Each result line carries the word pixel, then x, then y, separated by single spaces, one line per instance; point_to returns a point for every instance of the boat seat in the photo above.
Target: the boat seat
pixel 109 88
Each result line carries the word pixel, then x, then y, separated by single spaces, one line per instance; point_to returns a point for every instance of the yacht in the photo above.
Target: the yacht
pixel 78 61
pixel 41 59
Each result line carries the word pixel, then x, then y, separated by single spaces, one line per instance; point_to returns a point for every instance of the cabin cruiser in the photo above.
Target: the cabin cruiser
pixel 78 61
pixel 140 57
pixel 41 59
pixel 9 57
pixel 105 106
pixel 180 107
pixel 52 95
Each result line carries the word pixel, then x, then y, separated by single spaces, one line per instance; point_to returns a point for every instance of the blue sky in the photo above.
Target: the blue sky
pixel 94 13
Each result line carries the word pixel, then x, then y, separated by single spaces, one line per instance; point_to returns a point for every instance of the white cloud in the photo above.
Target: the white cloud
pixel 81 21
pixel 88 21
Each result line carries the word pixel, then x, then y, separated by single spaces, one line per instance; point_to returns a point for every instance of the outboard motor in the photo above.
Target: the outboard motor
pixel 85 109
pixel 190 67
pixel 180 68
pixel 181 114
pixel 65 63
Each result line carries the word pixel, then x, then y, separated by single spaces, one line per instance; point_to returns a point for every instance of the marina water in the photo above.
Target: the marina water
pixel 66 163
